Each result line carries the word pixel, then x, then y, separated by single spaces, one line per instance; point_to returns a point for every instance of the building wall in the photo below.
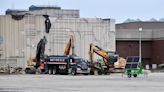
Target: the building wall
pixel 131 48
pixel 152 51
pixel 158 49
pixel 20 37
pixel 13 44
pixel 133 34
pixel 127 39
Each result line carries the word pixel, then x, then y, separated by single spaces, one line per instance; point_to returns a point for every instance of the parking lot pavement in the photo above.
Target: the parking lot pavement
pixel 80 83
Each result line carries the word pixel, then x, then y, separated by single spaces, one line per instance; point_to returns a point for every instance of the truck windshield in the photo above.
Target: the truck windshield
pixel 79 61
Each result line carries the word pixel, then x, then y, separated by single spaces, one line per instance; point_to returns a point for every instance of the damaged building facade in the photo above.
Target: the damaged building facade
pixel 20 31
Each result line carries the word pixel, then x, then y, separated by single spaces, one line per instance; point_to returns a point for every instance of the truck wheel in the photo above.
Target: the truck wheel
pixel 73 72
pixel 99 72
pixel 50 71
pixel 86 74
pixel 91 73
pixel 135 75
pixel 96 72
pixel 129 75
pixel 54 70
pixel 106 73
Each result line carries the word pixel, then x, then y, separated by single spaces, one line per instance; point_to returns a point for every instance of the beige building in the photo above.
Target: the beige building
pixel 19 38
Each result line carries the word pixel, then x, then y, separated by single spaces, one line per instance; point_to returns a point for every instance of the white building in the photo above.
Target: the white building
pixel 19 38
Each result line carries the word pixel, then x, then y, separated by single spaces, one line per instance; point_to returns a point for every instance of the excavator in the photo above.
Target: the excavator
pixel 40 51
pixel 34 62
pixel 110 61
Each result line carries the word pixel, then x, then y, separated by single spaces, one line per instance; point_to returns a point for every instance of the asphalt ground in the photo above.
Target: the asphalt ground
pixel 153 82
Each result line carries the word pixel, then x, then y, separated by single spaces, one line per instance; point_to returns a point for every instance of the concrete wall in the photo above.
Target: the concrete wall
pixel 133 34
pixel 20 37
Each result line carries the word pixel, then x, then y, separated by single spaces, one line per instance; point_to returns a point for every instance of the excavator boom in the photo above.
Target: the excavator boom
pixel 40 51
pixel 69 47
pixel 107 58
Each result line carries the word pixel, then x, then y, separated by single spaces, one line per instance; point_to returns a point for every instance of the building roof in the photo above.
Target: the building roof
pixel 33 7
pixel 55 11
pixel 144 25
pixel 15 11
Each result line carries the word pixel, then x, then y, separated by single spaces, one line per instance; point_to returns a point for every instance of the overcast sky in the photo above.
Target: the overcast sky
pixel 119 10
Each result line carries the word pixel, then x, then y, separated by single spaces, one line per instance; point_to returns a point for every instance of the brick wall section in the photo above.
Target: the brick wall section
pixel 131 48
pixel 158 51
pixel 152 50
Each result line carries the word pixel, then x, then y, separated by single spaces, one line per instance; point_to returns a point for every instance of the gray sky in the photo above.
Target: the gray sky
pixel 116 9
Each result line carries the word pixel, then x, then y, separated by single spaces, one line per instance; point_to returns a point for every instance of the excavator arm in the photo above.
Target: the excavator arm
pixel 40 51
pixel 91 53
pixel 69 47
pixel 108 60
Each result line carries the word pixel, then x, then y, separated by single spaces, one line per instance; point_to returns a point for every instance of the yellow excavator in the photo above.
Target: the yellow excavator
pixel 69 49
pixel 110 62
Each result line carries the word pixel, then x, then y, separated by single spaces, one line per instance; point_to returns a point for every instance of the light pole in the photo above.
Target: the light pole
pixel 140 56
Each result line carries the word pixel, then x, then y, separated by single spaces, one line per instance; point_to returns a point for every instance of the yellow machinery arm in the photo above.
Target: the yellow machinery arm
pixel 91 53
pixel 100 52
pixel 119 61
pixel 69 47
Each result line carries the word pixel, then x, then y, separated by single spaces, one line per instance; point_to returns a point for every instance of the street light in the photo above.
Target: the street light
pixel 140 56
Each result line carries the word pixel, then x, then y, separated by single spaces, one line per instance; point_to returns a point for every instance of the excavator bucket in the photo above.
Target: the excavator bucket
pixel 120 63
